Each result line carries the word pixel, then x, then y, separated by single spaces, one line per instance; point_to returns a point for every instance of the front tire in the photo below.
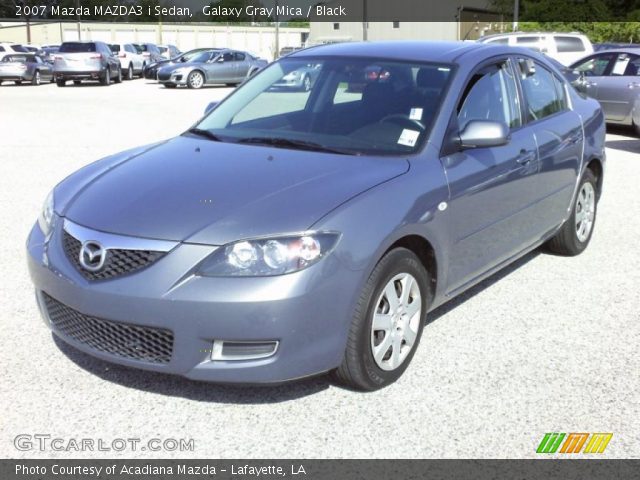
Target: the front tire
pixel 195 80
pixel 574 236
pixel 36 78
pixel 387 324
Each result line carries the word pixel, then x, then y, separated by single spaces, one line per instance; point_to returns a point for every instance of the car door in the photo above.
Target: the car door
pixel 242 65
pixel 619 88
pixel 46 72
pixel 492 189
pixel 558 134
pixel 592 71
pixel 221 69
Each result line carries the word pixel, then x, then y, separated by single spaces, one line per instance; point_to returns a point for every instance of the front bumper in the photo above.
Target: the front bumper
pixel 173 79
pixel 307 313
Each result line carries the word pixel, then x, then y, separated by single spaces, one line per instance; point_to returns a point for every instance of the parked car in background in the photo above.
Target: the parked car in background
pixel 169 51
pixel 597 47
pixel 564 47
pixel 287 50
pixel 210 67
pixel 149 51
pixel 613 78
pixel 302 78
pixel 86 60
pixel 131 62
pixel 337 220
pixel 48 53
pixel 6 48
pixel 151 70
pixel 25 67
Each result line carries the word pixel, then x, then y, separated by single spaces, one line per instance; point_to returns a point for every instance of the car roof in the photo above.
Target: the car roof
pixel 420 51
pixel 520 34
pixel 635 50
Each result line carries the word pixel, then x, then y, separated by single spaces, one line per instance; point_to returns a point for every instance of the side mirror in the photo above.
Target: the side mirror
pixel 484 133
pixel 210 107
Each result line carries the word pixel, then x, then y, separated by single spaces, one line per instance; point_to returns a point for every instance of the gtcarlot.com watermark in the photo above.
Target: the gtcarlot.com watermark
pixel 43 442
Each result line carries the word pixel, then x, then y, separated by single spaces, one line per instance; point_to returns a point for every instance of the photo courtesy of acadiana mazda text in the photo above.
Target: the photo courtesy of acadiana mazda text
pixel 309 227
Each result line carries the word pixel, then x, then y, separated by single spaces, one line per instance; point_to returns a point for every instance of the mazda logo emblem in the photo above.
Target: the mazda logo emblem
pixel 92 255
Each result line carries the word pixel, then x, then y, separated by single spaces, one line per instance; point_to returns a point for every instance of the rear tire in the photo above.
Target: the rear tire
pixel 77 82
pixel 36 78
pixel 130 72
pixel 118 78
pixel 61 83
pixel 18 82
pixel 396 297
pixel 574 236
pixel 105 80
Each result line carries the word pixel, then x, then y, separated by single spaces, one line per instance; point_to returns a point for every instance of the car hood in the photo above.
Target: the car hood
pixel 173 66
pixel 196 190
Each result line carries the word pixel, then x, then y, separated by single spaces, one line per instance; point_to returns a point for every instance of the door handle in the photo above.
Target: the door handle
pixel 525 156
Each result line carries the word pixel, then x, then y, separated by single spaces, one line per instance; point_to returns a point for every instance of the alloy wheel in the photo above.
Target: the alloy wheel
pixel 585 211
pixel 196 80
pixel 396 321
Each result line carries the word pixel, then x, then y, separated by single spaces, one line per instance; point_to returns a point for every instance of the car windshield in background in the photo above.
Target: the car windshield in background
pixel 77 47
pixel 199 57
pixel 19 48
pixel 343 105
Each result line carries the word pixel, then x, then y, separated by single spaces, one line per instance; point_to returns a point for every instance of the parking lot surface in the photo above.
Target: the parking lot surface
pixel 549 345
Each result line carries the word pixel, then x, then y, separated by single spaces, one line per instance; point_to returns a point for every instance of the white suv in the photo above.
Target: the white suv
pixel 6 48
pixel 564 47
pixel 131 62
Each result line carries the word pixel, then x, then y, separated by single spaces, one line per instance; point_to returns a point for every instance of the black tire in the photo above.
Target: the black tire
pixel 61 83
pixel 359 369
pixel 169 85
pixel 105 79
pixel 35 80
pixel 231 84
pixel 118 78
pixel 18 82
pixel 144 65
pixel 77 82
pixel 566 241
pixel 195 79
pixel 130 72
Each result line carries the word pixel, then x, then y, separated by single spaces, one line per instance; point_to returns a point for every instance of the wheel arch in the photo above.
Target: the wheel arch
pixel 597 168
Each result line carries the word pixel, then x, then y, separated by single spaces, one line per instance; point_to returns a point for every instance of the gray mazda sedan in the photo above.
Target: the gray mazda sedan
pixel 292 233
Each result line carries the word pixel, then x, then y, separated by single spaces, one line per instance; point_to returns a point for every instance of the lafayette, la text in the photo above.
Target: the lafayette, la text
pixel 154 470
pixel 158 11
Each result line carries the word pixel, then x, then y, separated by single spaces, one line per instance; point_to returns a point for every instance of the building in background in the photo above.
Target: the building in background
pixel 257 40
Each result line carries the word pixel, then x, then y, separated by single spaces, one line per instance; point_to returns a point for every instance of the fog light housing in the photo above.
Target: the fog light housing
pixel 234 351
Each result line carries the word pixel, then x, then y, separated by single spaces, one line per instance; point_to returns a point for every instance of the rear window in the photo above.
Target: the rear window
pixel 115 48
pixel 529 42
pixel 77 47
pixel 17 58
pixel 569 44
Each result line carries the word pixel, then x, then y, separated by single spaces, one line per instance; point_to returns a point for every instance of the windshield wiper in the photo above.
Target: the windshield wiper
pixel 205 133
pixel 295 144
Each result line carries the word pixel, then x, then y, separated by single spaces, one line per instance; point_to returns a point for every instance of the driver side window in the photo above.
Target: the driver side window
pixel 491 95
pixel 595 66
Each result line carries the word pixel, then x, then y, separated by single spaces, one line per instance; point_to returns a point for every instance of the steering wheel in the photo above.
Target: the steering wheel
pixel 403 121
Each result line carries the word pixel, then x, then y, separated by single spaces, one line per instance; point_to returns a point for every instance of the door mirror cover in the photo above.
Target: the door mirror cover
pixel 483 134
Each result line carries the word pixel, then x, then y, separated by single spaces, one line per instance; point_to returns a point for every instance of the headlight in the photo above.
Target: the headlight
pixel 45 220
pixel 269 256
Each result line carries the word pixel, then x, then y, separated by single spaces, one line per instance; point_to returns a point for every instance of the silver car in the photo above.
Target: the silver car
pixel 210 67
pixel 613 78
pixel 79 61
pixel 25 67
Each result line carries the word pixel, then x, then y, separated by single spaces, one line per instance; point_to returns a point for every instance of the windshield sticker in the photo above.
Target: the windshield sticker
pixel 416 114
pixel 408 137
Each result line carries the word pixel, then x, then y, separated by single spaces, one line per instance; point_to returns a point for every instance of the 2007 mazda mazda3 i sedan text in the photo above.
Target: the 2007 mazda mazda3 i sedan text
pixel 293 232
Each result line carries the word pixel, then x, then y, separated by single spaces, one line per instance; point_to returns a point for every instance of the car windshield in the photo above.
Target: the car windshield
pixel 19 48
pixel 77 47
pixel 199 57
pixel 354 106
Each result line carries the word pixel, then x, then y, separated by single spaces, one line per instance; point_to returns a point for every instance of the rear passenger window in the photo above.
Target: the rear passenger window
pixel 543 92
pixel 569 44
pixel 239 56
pixel 529 42
pixel 491 95
pixel 594 66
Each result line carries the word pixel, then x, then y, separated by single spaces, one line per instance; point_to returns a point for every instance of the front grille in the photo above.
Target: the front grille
pixel 147 344
pixel 117 261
